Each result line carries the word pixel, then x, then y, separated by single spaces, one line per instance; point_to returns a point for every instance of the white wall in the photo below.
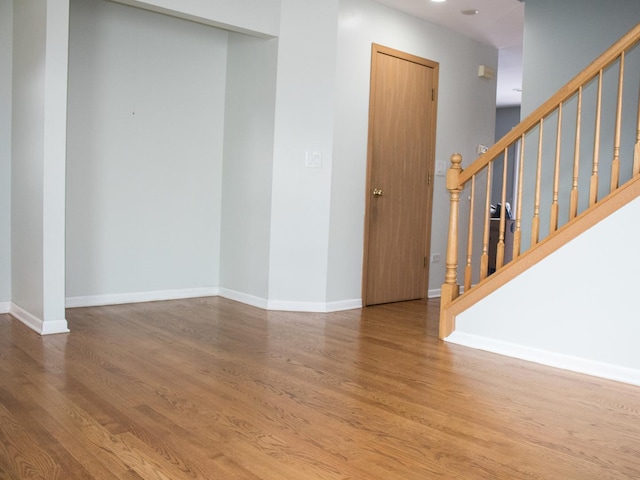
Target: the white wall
pixel 576 309
pixel 38 132
pixel 466 116
pixel 6 46
pixel 248 163
pixel 146 114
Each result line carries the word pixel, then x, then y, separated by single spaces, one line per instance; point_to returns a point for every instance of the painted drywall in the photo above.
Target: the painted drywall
pixel 466 116
pixel 54 165
pixel 146 113
pixel 561 39
pixel 248 163
pixel 29 23
pixel 6 46
pixel 304 116
pixel 576 306
pixel 38 132
pixel 506 119
pixel 255 17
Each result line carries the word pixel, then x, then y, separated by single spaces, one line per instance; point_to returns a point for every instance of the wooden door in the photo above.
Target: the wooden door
pixel 402 119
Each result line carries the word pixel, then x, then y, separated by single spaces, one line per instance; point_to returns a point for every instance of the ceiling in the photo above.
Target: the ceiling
pixel 499 23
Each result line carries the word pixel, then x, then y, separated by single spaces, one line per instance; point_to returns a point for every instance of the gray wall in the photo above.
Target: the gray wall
pixel 248 163
pixel 146 116
pixel 27 156
pixel 304 116
pixel 561 39
pixel 506 119
pixel 6 46
pixel 38 151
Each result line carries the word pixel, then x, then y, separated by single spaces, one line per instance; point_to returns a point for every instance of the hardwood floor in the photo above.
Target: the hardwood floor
pixel 211 389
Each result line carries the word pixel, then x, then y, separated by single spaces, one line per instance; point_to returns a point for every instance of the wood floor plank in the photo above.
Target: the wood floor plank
pixel 212 389
pixel 21 453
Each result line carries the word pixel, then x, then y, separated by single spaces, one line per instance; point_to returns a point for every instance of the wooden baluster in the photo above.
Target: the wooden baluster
pixel 468 272
pixel 615 164
pixel 535 223
pixel 553 223
pixel 484 260
pixel 503 198
pixel 593 188
pixel 636 154
pixel 450 289
pixel 573 203
pixel 517 236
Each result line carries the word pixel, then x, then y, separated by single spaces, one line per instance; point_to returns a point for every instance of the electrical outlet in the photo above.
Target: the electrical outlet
pixel 435 258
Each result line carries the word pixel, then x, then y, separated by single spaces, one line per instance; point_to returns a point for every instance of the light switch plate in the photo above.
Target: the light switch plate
pixel 312 159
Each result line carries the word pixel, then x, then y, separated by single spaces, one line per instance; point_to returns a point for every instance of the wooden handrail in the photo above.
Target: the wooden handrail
pixel 551 110
pixel 584 77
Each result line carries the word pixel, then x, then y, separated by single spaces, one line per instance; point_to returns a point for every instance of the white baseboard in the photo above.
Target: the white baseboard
pixel 120 298
pixel 138 297
pixel 434 293
pixel 243 298
pixel 344 305
pixel 36 324
pixel 313 307
pixel 287 306
pixel 5 307
pixel 551 359
pixel 437 292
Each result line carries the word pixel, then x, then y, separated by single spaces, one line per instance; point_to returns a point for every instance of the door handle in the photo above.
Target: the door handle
pixel 377 192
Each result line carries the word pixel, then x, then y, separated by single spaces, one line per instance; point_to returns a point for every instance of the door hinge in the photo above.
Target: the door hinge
pixel 424 263
pixel 433 94
pixel 429 179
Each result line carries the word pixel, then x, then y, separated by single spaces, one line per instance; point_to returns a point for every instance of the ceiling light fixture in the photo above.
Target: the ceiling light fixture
pixel 438 1
pixel 471 11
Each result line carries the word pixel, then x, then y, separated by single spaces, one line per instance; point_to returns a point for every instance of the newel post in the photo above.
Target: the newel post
pixel 450 287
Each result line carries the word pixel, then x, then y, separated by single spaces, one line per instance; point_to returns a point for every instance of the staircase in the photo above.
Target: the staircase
pixel 569 164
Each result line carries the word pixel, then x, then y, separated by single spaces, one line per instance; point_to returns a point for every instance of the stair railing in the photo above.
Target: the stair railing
pixel 547 175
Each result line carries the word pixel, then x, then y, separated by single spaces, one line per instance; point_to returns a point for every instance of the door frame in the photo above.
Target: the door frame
pixel 375 50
